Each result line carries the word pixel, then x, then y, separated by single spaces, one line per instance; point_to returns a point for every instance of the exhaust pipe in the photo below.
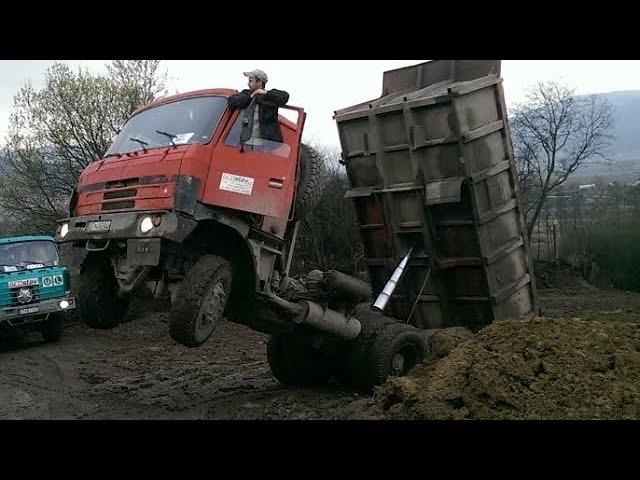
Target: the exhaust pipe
pixel 331 321
pixel 323 319
pixel 389 288
pixel 345 287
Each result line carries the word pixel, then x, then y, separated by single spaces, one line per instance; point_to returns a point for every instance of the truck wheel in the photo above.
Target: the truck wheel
pixel 384 348
pixel 312 180
pixel 200 301
pixel 294 361
pixel 99 304
pixel 52 328
pixel 395 351
pixel 352 366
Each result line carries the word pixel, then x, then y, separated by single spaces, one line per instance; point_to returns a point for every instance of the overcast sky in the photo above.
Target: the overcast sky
pixel 322 86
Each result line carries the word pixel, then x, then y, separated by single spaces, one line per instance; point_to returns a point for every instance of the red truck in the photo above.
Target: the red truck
pixel 178 207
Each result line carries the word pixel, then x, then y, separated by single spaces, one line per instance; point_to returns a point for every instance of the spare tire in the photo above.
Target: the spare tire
pixel 311 180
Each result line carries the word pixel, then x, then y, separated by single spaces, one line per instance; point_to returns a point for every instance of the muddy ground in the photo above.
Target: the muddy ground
pixel 137 372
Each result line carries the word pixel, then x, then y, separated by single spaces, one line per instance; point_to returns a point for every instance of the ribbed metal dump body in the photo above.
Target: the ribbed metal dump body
pixel 431 166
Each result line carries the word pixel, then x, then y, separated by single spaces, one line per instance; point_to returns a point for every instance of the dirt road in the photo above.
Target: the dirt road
pixel 137 372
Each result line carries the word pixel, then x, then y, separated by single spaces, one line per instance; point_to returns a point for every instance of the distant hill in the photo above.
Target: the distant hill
pixel 627 124
pixel 625 148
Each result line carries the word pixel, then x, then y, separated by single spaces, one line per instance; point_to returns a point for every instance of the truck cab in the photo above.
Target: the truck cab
pixel 177 197
pixel 34 287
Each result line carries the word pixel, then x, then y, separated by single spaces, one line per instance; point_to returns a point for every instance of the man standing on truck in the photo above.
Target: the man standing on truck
pixel 260 120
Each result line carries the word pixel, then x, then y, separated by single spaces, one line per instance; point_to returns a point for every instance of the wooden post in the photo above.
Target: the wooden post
pixel 555 244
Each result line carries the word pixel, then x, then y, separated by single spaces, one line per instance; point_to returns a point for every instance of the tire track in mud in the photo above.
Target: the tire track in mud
pixel 36 388
pixel 136 371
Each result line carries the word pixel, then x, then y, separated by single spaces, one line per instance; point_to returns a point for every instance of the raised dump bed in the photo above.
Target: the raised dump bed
pixel 431 167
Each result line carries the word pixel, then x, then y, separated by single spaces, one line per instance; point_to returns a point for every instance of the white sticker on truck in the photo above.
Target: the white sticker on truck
pixel 182 138
pixel 236 183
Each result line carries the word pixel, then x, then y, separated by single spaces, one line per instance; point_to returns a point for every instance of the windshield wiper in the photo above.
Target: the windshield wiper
pixel 115 154
pixel 170 136
pixel 141 142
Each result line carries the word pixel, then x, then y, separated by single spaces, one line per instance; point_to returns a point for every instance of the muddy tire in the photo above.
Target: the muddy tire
pixel 99 304
pixel 395 351
pixel 52 328
pixel 352 368
pixel 200 301
pixel 312 181
pixel 294 361
pixel 384 348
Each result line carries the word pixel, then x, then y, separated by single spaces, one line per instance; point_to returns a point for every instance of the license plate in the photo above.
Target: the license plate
pixel 23 283
pixel 102 226
pixel 24 311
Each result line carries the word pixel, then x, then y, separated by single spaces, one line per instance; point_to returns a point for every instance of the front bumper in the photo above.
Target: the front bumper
pixel 126 225
pixel 12 317
pixel 142 248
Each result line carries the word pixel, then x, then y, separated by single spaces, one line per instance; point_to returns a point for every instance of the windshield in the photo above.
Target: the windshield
pixel 186 121
pixel 27 255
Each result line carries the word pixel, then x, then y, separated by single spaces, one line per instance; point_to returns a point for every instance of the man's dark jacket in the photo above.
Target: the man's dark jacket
pixel 269 127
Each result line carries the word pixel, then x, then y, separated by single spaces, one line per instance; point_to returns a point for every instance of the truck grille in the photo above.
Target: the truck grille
pixel 120 194
pixel 117 193
pixel 129 182
pixel 10 299
pixel 118 205
pixel 126 194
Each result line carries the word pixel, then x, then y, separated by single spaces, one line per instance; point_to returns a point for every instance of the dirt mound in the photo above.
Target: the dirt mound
pixel 540 368
pixel 444 341
pixel 559 275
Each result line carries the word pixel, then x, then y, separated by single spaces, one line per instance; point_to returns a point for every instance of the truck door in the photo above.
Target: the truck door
pixel 257 177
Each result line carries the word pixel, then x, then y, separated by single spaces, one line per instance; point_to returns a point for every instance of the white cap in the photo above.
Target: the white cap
pixel 258 74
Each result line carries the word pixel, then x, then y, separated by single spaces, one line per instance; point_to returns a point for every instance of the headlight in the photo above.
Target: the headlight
pixel 64 304
pixel 146 224
pixel 64 230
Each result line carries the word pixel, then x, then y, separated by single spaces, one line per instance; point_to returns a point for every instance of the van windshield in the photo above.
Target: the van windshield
pixel 27 255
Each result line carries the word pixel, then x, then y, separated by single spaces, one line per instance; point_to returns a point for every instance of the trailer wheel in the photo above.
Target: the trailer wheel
pixel 395 351
pixel 200 301
pixel 384 348
pixel 99 304
pixel 294 361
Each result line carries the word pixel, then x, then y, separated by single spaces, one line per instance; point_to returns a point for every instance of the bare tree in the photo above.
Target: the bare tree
pixel 554 133
pixel 140 81
pixel 55 132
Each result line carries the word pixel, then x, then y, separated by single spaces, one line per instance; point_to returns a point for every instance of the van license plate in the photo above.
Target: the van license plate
pixel 24 311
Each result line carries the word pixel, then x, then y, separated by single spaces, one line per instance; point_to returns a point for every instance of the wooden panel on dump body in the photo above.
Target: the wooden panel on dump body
pixel 431 166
